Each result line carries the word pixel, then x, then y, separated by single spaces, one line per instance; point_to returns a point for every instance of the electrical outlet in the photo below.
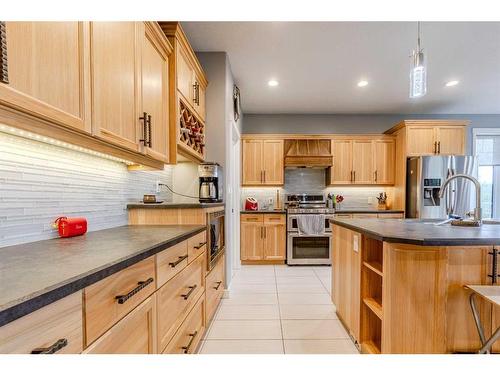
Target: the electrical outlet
pixel 157 187
pixel 370 200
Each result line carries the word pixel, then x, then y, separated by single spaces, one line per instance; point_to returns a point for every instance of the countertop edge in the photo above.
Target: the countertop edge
pixel 418 242
pixel 167 205
pixel 30 305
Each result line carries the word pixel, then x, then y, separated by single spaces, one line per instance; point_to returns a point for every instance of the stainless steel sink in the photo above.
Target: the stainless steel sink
pixel 491 221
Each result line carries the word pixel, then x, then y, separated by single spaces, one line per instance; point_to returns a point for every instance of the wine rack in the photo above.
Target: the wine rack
pixel 191 132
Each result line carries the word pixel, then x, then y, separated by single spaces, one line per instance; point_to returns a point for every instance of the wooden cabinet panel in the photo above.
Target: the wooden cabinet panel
pixel 176 298
pixel 196 245
pixel 391 216
pixel 252 241
pixel 274 241
pixel 49 71
pixel 385 158
pixel 185 76
pixel 103 308
pixel 362 162
pixel 451 140
pixel 154 85
pixel 252 170
pixel 341 172
pixel 134 334
pixel 214 289
pixel 44 327
pixel 188 336
pixel 420 140
pixel 273 162
pixel 170 262
pixel 114 82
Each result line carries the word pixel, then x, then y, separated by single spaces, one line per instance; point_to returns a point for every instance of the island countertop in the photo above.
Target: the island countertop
pixel 422 233
pixel 36 274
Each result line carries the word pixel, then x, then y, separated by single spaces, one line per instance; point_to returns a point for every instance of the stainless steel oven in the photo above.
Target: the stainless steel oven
pixel 216 233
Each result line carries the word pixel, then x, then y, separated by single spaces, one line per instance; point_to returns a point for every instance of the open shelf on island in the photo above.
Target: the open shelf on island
pixel 375 266
pixel 370 347
pixel 375 305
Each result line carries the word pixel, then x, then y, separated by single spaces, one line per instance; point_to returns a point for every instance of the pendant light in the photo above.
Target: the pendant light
pixel 418 72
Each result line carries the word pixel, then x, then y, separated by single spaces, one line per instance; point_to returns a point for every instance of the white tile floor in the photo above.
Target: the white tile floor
pixel 278 310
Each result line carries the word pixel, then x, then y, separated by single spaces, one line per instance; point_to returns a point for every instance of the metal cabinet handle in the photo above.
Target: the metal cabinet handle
pixel 218 285
pixel 435 147
pixel 181 258
pixel 150 133
pixel 196 98
pixel 265 232
pixel 351 176
pixel 439 147
pixel 354 176
pixel 264 176
pixel 191 340
pixel 55 347
pixel 376 177
pixel 191 290
pixel 140 286
pixel 4 71
pixel 144 119
pixel 494 266
pixel 200 245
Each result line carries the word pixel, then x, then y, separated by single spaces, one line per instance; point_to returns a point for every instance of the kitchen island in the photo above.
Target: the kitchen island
pixel 398 285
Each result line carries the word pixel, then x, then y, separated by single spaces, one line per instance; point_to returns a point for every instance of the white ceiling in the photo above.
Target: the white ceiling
pixel 318 65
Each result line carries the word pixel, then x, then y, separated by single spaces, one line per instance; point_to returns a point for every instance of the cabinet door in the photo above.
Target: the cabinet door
pixel 451 140
pixel 48 71
pixel 114 81
pixel 134 334
pixel 185 77
pixel 362 162
pixel 154 79
pixel 385 156
pixel 341 172
pixel 273 162
pixel 420 140
pixel 252 171
pixel 199 99
pixel 252 243
pixel 274 240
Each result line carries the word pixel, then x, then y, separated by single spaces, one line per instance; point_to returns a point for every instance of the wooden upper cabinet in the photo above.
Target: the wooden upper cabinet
pixel 362 161
pixel 252 162
pixel 114 82
pixel 154 83
pixel 341 172
pixel 450 140
pixel 48 71
pixel 385 156
pixel 185 76
pixel 420 141
pixel 273 162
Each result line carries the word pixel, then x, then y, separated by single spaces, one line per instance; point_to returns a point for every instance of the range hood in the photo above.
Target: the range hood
pixel 309 153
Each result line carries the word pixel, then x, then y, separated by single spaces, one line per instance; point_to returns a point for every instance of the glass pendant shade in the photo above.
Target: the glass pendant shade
pixel 418 75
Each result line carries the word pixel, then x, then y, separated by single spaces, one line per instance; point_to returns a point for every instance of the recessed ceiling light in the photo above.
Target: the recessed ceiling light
pixel 362 83
pixel 273 83
pixel 452 83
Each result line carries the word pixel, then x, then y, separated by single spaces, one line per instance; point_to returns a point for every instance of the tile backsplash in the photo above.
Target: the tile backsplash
pixel 309 180
pixel 40 182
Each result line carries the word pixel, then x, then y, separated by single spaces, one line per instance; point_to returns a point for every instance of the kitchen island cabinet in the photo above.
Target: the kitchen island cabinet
pixel 399 284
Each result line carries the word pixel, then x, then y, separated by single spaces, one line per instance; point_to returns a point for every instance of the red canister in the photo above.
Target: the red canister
pixel 70 226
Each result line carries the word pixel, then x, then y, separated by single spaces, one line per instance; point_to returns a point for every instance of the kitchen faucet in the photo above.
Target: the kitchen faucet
pixel 477 210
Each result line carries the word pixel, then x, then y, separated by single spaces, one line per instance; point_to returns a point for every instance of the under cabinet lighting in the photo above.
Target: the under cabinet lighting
pixel 451 83
pixel 51 141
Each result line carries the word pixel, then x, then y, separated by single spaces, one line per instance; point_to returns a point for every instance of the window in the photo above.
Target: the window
pixel 487 149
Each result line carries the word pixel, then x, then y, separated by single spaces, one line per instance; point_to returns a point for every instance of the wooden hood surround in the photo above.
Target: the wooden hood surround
pixel 316 153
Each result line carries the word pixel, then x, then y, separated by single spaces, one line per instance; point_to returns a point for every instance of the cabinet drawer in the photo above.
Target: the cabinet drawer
pixel 134 334
pixel 196 245
pixel 390 216
pixel 187 338
pixel 45 327
pixel 274 219
pixel 170 262
pixel 214 289
pixel 252 218
pixel 103 308
pixel 177 297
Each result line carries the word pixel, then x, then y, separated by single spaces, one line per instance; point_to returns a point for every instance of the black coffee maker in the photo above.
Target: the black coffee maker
pixel 210 176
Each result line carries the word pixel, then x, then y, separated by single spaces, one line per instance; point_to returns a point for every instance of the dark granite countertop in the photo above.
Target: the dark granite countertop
pixel 422 233
pixel 36 274
pixel 263 212
pixel 168 205
pixel 367 211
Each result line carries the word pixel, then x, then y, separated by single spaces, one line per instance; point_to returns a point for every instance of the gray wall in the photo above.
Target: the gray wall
pixel 350 124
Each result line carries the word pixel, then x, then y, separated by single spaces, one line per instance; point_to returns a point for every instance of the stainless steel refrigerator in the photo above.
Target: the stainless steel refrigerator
pixel 424 177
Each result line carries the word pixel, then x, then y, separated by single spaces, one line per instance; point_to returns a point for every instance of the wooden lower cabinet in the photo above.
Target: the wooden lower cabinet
pixel 43 328
pixel 134 334
pixel 196 245
pixel 263 237
pixel 170 262
pixel 188 336
pixel 177 297
pixel 214 289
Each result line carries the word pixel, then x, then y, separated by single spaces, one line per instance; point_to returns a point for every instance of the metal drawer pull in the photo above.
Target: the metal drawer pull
pixel 173 264
pixel 140 286
pixel 186 348
pixel 439 147
pixel 55 347
pixel 218 285
pixel 200 245
pixel 191 290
